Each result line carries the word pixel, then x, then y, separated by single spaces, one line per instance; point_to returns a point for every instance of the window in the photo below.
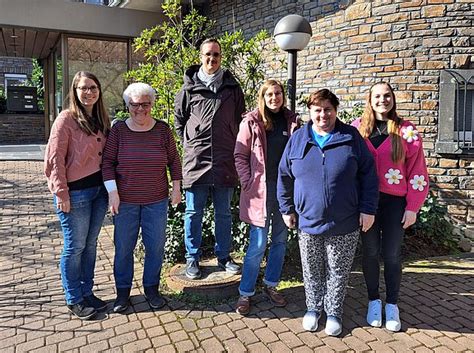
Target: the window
pixel 456 113
pixel 15 80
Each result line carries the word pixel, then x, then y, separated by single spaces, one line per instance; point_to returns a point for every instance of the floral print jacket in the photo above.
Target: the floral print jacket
pixel 408 178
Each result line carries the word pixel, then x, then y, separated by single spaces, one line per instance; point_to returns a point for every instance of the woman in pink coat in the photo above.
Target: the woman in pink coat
pixel 403 185
pixel 262 137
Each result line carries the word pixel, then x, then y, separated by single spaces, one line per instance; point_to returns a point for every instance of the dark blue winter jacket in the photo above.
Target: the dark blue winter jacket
pixel 327 188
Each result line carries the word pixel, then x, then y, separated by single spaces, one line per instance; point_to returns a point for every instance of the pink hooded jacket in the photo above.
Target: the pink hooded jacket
pixel 250 155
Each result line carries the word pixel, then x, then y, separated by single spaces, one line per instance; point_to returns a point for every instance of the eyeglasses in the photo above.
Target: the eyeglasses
pixel 84 89
pixel 144 105
pixel 213 54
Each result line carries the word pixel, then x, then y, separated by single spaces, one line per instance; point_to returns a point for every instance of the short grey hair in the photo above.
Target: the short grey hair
pixel 138 89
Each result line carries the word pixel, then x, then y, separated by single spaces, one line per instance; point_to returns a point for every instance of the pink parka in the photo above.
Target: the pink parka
pixel 250 156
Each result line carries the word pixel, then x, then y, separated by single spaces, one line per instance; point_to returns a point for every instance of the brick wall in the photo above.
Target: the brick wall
pixel 357 43
pixel 16 129
pixel 11 65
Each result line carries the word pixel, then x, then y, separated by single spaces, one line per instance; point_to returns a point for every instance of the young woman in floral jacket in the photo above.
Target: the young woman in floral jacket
pixel 403 185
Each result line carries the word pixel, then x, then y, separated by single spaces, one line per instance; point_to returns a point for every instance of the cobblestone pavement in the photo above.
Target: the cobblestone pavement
pixel 437 298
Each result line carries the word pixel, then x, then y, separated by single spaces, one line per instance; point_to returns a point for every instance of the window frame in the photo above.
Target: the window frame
pixel 451 81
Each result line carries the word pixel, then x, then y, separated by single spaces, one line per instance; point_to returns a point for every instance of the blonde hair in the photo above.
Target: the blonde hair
pixel 263 111
pixel 367 123
pixel 99 113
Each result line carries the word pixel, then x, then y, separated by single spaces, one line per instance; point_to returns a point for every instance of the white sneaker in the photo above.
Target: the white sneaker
pixel 310 320
pixel 392 318
pixel 374 313
pixel 333 326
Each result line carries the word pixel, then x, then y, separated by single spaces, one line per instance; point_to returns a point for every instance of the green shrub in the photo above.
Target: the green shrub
pixel 3 101
pixel 433 225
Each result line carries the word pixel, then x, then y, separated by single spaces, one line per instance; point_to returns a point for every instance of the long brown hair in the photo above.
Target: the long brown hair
pixel 99 113
pixel 263 111
pixel 367 123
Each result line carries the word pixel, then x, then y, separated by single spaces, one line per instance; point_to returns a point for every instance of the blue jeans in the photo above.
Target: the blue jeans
pixel 196 199
pixel 81 227
pixel 152 220
pixel 257 247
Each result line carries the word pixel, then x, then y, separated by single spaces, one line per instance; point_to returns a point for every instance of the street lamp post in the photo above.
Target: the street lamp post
pixel 292 33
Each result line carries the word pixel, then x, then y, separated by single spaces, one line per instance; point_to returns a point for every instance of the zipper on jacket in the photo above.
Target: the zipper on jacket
pixel 323 163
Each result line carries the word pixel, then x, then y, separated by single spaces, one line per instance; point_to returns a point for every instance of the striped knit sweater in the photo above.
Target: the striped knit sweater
pixel 138 162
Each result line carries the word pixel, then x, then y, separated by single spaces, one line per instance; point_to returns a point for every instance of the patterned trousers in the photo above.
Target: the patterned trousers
pixel 327 262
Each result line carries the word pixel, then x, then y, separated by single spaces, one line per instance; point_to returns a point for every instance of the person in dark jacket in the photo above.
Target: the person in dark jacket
pixel 327 188
pixel 262 138
pixel 208 110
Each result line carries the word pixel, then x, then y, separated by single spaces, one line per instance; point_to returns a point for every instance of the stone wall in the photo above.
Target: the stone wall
pixel 17 129
pixel 357 43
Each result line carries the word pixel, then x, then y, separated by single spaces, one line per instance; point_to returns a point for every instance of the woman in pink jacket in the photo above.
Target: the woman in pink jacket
pixel 262 137
pixel 72 165
pixel 403 184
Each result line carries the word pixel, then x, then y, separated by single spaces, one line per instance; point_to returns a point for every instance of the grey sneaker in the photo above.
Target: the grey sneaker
pixel 228 265
pixel 192 269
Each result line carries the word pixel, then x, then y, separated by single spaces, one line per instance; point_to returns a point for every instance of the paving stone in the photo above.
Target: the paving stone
pixel 290 339
pixel 233 345
pixel 73 343
pixel 253 323
pixel 184 346
pixel 426 340
pixel 203 334
pixel 137 346
pixel 99 346
pixel 278 347
pixel 257 348
pixel 276 326
pixel 246 336
pixel 188 325
pixel 206 322
pixel 165 349
pixel 236 325
pixel 221 319
pixel 160 341
pixel 121 340
pixel 355 343
pixel 173 326
pixel 222 333
pixel 212 345
pixel 178 336
pixel 310 339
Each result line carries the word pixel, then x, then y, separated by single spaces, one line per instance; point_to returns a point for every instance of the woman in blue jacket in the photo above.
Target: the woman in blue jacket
pixel 327 188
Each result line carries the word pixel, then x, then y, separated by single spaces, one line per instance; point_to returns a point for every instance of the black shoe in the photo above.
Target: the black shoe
pixel 96 303
pixel 82 310
pixel 229 265
pixel 122 301
pixel 154 297
pixel 192 269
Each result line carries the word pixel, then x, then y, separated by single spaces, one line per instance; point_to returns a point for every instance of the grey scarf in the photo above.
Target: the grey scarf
pixel 213 81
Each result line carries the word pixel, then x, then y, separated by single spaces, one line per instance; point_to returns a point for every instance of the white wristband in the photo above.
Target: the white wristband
pixel 110 185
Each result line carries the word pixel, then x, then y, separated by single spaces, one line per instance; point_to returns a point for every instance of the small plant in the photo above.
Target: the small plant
pixel 348 116
pixel 434 225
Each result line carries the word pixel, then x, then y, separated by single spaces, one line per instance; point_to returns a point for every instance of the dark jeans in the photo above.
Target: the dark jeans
pixel 385 236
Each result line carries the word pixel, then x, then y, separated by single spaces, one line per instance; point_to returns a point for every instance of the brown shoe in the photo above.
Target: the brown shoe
pixel 276 298
pixel 243 305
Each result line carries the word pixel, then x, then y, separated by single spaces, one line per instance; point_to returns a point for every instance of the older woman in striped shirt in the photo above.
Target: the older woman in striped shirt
pixel 137 155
